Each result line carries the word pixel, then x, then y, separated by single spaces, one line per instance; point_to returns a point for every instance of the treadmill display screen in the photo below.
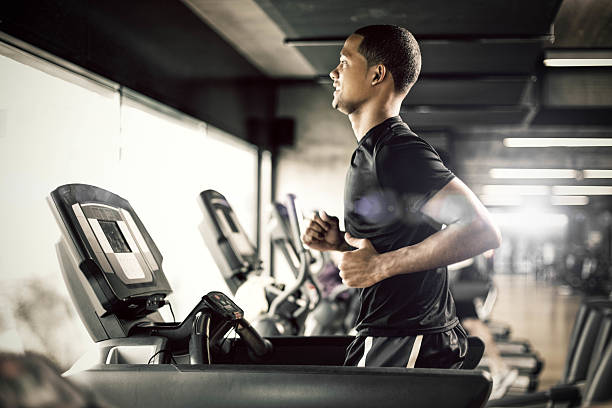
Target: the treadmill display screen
pixel 229 220
pixel 114 236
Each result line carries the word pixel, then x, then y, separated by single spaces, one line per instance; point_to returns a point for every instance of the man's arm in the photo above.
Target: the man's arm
pixel 469 232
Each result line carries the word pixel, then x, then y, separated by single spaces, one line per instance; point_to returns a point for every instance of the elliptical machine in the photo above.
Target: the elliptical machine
pixel 336 307
pixel 237 259
pixel 300 309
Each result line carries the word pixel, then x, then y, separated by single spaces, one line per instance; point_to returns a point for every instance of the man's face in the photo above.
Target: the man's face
pixel 350 77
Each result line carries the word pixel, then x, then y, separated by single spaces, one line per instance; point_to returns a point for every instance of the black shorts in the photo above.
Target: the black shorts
pixel 440 350
pixel 465 309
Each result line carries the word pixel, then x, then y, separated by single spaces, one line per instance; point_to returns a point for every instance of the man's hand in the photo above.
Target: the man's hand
pixel 323 233
pixel 362 267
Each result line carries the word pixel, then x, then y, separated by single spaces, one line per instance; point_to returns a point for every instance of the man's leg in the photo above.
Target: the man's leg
pixel 383 351
pixel 443 350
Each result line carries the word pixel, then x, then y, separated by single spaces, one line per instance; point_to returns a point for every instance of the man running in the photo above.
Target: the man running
pixel 398 197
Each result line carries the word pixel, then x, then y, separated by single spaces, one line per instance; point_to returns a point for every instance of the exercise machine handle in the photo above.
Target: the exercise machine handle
pixel 304 269
pixel 261 347
pixel 294 222
pixel 198 334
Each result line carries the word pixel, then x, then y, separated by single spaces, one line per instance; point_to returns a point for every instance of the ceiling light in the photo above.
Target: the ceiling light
pixel 569 200
pixel 582 190
pixel 578 58
pixel 597 173
pixel 557 142
pixel 530 221
pixel 511 189
pixel 503 200
pixel 532 173
pixel 578 62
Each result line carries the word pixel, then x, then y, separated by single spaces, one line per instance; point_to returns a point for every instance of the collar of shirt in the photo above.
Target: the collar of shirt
pixel 378 129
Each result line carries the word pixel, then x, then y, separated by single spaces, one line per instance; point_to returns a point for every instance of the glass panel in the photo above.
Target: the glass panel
pixel 58 128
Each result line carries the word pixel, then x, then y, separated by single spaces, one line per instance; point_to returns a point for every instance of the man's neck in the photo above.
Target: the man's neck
pixel 365 118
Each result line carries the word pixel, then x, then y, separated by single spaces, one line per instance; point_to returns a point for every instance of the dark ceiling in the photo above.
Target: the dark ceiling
pixel 159 48
pixel 482 78
pixel 478 57
pixel 482 60
pixel 437 18
pixel 584 24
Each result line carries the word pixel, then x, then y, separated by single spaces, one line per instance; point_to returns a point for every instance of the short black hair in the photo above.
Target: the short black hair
pixel 396 49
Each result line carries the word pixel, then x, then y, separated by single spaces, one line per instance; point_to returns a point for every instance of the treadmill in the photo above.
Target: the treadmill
pixel 587 378
pixel 113 271
pixel 516 354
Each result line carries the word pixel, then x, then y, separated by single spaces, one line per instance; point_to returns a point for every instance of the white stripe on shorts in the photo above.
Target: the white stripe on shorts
pixel 414 354
pixel 367 345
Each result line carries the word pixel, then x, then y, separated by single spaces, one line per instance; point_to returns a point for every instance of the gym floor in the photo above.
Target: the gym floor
pixel 540 312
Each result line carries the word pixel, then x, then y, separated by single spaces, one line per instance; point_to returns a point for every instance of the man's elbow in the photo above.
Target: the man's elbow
pixel 496 238
pixel 491 236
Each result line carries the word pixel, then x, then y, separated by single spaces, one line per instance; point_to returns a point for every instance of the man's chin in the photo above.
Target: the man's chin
pixel 339 108
pixel 336 105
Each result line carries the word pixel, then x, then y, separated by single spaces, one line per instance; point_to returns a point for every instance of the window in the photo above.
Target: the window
pixel 56 128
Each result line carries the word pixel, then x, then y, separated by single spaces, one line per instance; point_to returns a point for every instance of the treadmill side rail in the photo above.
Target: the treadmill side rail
pixel 212 386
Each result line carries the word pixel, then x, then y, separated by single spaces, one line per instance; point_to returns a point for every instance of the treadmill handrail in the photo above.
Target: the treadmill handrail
pixel 294 222
pixel 301 278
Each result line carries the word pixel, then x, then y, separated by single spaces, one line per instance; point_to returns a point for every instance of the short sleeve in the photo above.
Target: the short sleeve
pixel 413 170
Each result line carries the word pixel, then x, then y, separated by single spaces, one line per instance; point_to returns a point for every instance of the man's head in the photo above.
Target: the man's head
pixel 395 48
pixel 383 56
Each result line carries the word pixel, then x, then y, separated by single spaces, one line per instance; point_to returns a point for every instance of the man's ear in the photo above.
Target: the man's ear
pixel 380 71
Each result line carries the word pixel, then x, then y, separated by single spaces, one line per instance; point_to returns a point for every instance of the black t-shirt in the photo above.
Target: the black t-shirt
pixel 393 173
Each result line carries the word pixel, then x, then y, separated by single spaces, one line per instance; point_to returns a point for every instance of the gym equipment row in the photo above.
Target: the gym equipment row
pixel 587 376
pixel 516 354
pixel 113 271
pixel 302 308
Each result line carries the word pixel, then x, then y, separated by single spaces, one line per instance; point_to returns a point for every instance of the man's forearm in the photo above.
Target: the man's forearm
pixel 452 244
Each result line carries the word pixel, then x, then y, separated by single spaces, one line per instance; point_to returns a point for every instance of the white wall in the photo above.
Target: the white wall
pixel 315 168
pixel 54 131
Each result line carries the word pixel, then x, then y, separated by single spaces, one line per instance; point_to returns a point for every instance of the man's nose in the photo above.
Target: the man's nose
pixel 334 74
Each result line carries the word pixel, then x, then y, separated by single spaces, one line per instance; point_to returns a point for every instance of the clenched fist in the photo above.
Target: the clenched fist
pixel 323 233
pixel 361 267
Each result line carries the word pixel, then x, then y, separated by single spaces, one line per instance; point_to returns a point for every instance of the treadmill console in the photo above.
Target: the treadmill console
pixel 224 306
pixel 226 240
pixel 117 243
pixel 104 243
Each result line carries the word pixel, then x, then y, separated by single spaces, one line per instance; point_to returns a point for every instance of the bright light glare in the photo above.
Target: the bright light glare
pixel 569 200
pixel 530 221
pixel 557 142
pixel 513 190
pixel 532 173
pixel 582 190
pixel 578 62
